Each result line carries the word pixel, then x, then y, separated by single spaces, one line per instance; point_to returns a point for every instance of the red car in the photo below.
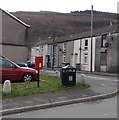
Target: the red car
pixel 11 71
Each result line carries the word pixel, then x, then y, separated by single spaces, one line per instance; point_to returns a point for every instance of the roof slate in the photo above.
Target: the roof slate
pixel 87 34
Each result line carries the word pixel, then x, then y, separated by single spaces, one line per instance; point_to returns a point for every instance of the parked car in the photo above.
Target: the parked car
pixel 11 71
pixel 21 64
pixel 1 56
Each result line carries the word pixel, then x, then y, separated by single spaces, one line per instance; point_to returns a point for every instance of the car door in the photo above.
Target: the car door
pixel 9 71
pixel 0 71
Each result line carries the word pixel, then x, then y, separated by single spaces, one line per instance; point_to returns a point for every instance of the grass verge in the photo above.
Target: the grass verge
pixel 49 84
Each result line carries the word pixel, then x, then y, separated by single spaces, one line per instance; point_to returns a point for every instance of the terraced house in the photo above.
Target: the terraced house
pixel 13 37
pixel 76 51
pixel 107 50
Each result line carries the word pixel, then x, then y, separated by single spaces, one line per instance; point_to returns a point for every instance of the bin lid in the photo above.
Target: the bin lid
pixel 68 66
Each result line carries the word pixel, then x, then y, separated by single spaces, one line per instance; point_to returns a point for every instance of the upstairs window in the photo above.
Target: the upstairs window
pixel 42 51
pixel 86 45
pixel 64 47
pixel 103 40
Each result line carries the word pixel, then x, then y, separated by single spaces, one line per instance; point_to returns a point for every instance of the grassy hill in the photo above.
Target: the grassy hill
pixel 45 24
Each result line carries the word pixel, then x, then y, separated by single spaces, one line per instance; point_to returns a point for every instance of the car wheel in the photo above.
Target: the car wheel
pixel 28 77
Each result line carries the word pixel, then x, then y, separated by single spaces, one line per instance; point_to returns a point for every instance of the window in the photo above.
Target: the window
pixel 6 64
pixel 86 45
pixel 103 40
pixel 55 48
pixel 41 50
pixel 64 59
pixel 85 58
pixel 64 47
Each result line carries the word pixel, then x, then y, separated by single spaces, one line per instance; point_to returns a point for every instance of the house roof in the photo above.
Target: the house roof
pixel 98 32
pixel 14 17
pixel 105 30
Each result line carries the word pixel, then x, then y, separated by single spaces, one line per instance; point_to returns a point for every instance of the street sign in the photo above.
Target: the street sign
pixel 39 63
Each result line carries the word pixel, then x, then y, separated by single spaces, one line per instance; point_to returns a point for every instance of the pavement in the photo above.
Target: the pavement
pixel 41 101
pixel 88 72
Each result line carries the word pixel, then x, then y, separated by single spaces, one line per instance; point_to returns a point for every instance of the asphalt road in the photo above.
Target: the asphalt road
pixel 106 108
pixel 111 83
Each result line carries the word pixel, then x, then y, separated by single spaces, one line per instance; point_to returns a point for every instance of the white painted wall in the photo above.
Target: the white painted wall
pixel 87 67
pixel 41 50
pixel 44 52
pixel 76 54
pixel 35 51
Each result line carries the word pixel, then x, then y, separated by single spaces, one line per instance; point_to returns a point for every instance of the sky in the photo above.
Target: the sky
pixel 63 6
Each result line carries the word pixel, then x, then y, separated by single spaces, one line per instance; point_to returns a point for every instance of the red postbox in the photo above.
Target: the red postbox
pixel 39 63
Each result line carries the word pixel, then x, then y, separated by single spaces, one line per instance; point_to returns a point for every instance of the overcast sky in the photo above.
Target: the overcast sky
pixel 64 6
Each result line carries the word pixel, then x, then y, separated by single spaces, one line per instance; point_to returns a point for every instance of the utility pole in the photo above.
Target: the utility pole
pixel 53 51
pixel 91 37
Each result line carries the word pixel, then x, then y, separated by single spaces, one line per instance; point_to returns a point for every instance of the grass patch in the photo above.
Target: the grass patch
pixel 51 84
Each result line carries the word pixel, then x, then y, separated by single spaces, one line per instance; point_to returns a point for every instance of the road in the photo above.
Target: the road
pixel 106 108
pixel 105 83
pixel 97 109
